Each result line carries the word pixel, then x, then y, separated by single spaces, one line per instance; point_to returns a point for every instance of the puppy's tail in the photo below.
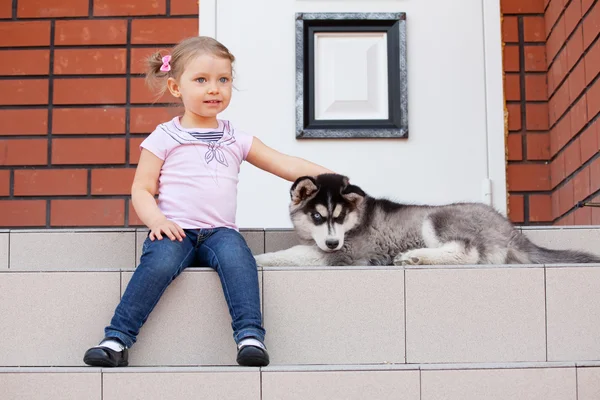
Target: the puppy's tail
pixel 535 254
pixel 542 255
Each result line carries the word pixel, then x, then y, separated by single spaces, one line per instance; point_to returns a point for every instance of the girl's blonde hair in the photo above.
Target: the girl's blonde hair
pixel 180 55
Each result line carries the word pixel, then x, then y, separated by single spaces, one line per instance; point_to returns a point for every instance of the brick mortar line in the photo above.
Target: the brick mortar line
pixel 525 43
pixel 522 91
pixel 48 213
pixel 523 14
pixel 528 102
pixel 72 136
pixel 67 227
pixel 128 113
pixel 102 17
pixel 59 77
pixel 532 192
pixel 526 209
pixel 84 106
pixel 128 91
pixel 537 223
pixel 50 111
pixel 530 132
pixel 89 46
pixel 527 162
pixel 50 90
pixel 82 197
pixel 89 182
pixel 526 72
pixel 65 167
pixel 70 167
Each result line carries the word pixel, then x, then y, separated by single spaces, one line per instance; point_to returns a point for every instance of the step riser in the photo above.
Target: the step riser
pixel 488 384
pixel 326 316
pixel 92 249
pixel 70 250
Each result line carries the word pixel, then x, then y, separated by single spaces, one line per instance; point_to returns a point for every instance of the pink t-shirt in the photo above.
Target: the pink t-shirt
pixel 199 177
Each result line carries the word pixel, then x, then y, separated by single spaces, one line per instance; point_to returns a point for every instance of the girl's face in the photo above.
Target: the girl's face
pixel 205 89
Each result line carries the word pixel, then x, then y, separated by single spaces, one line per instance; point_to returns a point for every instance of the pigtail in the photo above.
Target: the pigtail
pixel 156 78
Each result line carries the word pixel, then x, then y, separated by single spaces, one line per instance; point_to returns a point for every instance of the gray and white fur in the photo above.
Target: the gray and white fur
pixel 342 225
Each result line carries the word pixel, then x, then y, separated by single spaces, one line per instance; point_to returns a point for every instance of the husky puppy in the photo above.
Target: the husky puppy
pixel 342 225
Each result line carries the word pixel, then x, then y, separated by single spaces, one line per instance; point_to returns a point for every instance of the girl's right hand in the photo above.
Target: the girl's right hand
pixel 169 228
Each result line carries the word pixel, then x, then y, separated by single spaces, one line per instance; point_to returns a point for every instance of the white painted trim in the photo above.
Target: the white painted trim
pixel 494 95
pixel 207 18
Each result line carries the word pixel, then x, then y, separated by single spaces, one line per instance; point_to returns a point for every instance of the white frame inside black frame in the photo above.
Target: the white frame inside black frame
pixel 328 103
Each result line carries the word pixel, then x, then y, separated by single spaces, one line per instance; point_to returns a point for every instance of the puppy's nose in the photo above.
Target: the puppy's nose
pixel 332 243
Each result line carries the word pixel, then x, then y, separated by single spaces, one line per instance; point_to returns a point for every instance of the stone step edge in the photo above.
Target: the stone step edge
pixel 309 368
pixel 143 229
pixel 312 268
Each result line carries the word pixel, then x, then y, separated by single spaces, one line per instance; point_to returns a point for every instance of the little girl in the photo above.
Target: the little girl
pixel 193 163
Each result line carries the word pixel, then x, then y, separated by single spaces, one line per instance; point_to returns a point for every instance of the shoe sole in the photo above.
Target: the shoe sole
pixel 96 359
pixel 252 362
pixel 103 362
pixel 252 356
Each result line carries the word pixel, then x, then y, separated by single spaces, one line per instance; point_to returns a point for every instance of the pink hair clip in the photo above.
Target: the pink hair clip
pixel 166 67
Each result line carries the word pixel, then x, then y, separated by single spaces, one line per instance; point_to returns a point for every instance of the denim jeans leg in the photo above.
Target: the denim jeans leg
pixel 161 262
pixel 226 251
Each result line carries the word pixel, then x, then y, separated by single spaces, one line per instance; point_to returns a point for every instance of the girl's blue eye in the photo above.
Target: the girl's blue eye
pixel 201 80
pixel 224 80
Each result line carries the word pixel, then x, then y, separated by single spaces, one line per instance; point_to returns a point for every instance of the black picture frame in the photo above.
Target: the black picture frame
pixel 394 25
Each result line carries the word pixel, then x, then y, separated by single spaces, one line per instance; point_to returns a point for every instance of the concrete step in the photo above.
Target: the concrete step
pixel 522 381
pixel 115 249
pixel 318 316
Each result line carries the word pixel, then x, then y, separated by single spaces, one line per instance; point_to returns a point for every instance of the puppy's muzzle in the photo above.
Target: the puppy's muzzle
pixel 332 243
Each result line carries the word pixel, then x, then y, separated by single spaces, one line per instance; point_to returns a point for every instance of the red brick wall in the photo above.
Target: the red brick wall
pixel 551 62
pixel 528 172
pixel 74 108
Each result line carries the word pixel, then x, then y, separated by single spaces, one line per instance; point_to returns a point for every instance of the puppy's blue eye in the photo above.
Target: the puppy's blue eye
pixel 317 217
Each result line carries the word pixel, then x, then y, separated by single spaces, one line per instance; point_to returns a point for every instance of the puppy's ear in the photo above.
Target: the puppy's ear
pixel 303 188
pixel 354 194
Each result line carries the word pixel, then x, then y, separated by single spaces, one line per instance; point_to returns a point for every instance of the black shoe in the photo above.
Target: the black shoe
pixel 252 356
pixel 100 356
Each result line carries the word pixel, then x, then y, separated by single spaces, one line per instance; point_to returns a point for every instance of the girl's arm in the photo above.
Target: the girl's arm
pixel 143 189
pixel 282 165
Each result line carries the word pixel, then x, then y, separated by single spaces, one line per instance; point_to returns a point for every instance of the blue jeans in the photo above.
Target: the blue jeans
pixel 222 249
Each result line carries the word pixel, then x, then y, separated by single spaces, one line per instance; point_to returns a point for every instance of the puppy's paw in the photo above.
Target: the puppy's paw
pixel 408 258
pixel 266 260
